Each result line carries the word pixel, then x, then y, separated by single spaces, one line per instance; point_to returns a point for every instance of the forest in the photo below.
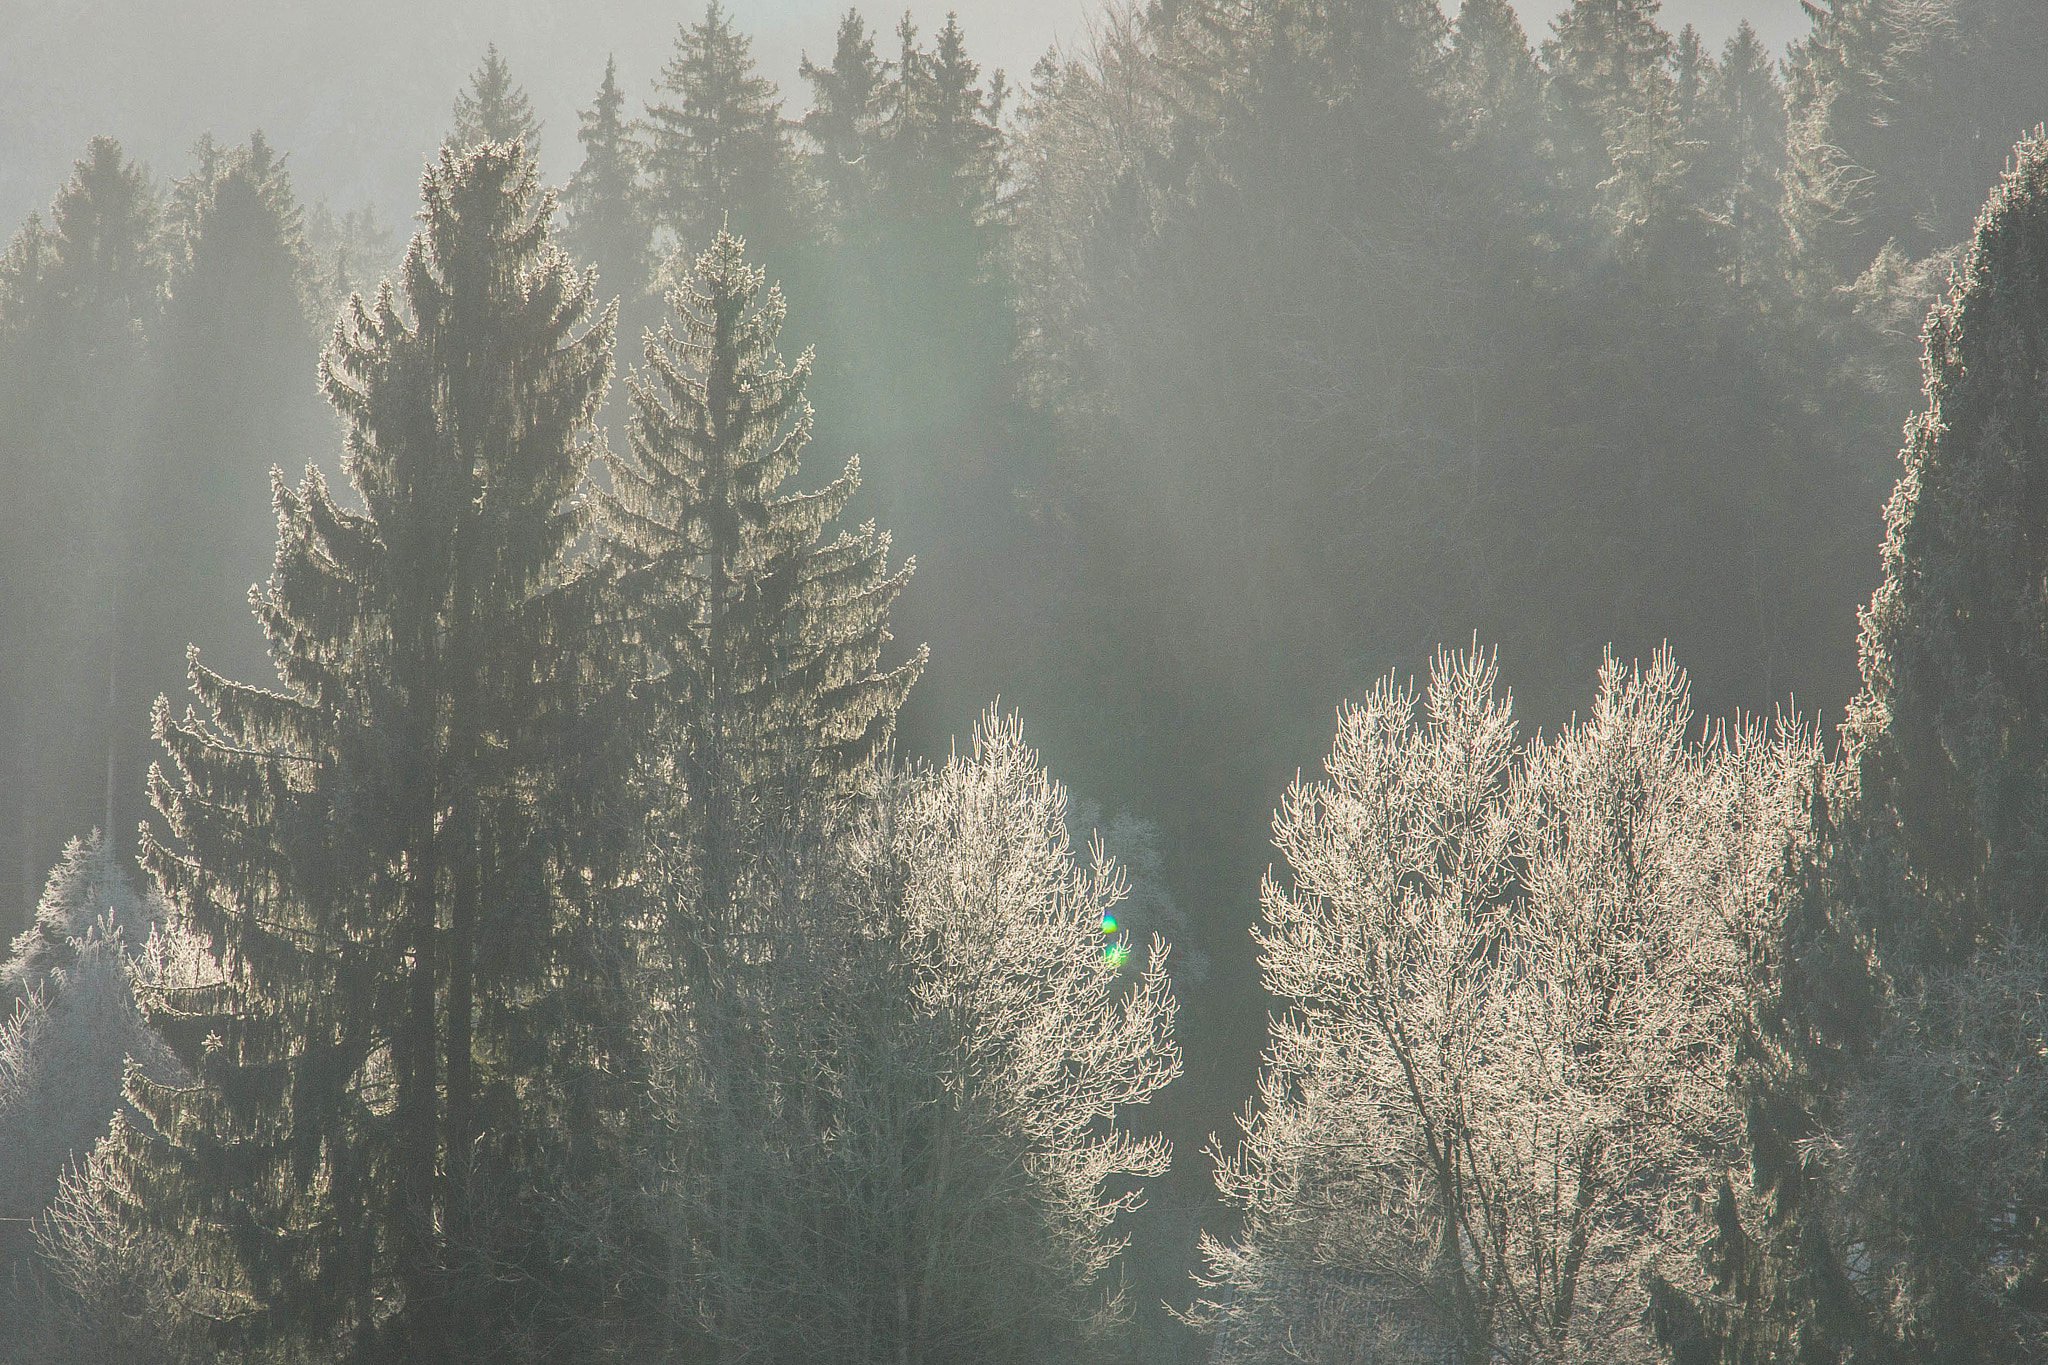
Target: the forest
pixel 1331 681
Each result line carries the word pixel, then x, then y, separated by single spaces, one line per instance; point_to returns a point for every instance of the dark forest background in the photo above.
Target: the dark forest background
pixel 1223 361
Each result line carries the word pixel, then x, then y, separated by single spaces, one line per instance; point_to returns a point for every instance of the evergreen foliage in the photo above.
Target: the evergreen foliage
pixel 1908 1029
pixel 1745 125
pixel 845 114
pixel 938 142
pixel 1901 114
pixel 228 401
pixel 765 643
pixel 78 295
pixel 604 208
pixel 493 109
pixel 719 152
pixel 392 857
pixel 910 288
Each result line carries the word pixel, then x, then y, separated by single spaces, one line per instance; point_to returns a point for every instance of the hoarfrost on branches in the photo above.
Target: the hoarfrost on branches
pixel 1515 974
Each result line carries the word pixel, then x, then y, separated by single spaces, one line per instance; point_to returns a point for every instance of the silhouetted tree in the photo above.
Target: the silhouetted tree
pixel 392 856
pixel 604 207
pixel 938 142
pixel 231 397
pixel 1896 1104
pixel 842 121
pixel 719 153
pixel 493 109
pixel 1745 126
pixel 77 296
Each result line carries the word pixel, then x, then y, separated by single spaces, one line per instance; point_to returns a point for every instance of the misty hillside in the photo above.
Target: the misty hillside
pixel 1220 680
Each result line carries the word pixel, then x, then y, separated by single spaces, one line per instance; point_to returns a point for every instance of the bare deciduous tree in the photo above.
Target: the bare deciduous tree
pixel 904 1138
pixel 1515 974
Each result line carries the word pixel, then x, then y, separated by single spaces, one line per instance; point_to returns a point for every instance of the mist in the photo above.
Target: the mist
pixel 1350 681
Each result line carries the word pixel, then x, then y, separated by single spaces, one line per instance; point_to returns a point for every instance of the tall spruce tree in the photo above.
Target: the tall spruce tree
pixel 1499 90
pixel 915 242
pixel 1905 1027
pixel 604 209
pixel 765 643
pixel 719 153
pixel 493 109
pixel 392 854
pixel 1612 86
pixel 765 703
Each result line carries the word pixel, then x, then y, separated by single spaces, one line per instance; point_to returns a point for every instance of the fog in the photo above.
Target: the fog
pixel 357 93
pixel 1290 699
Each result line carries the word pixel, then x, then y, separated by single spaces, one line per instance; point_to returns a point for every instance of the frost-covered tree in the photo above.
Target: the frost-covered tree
pixel 392 854
pixel 764 640
pixel 719 153
pixel 76 1287
pixel 68 1022
pixel 493 108
pixel 1512 975
pixel 922 1156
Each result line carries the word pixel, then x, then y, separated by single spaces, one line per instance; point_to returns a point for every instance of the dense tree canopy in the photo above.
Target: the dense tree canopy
pixel 387 856
pixel 593 944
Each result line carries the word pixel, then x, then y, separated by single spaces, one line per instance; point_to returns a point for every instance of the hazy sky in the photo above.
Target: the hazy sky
pixel 358 93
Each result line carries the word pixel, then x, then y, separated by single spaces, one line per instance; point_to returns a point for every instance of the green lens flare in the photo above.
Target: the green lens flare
pixel 1115 955
pixel 1108 923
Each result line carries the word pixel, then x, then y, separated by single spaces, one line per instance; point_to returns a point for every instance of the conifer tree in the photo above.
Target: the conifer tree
pixel 348 249
pixel 843 118
pixel 766 644
pixel 1905 1030
pixel 766 705
pixel 1901 114
pixel 493 109
pixel 604 213
pixel 719 153
pixel 391 855
pixel 1500 92
pixel 939 140
pixel 1617 106
pixel 918 242
pixel 1745 119
pixel 77 296
pixel 228 401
